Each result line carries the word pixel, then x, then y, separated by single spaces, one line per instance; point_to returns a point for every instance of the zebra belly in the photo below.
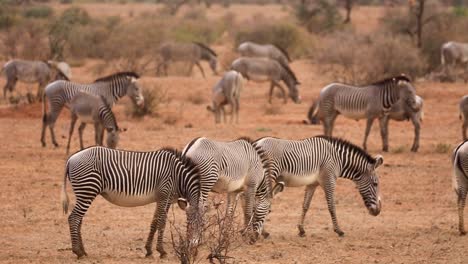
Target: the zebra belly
pixel 353 114
pixel 258 77
pixel 225 184
pixel 121 199
pixel 292 180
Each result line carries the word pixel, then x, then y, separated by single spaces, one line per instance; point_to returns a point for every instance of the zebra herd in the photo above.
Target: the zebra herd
pixel 254 170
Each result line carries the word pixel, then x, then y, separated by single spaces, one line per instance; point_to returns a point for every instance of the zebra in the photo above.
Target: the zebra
pixel 226 91
pixel 367 102
pixel 463 115
pixel 40 72
pixel 112 88
pixel 318 161
pixel 192 52
pixel 130 179
pixel 93 109
pixel 460 180
pixel 233 167
pixel 399 112
pixel 453 53
pixel 251 49
pixel 263 69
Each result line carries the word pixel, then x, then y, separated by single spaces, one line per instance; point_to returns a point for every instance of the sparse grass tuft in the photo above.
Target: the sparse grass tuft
pixel 196 98
pixel 442 148
pixel 272 110
pixel 399 150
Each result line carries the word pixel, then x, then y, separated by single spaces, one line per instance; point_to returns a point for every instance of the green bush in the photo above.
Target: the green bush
pixel 38 12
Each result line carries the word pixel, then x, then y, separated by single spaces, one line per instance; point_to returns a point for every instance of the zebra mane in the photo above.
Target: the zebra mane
pixel 289 71
pixel 285 53
pixel 350 146
pixel 246 139
pixel 401 77
pixel 188 163
pixel 203 46
pixel 117 75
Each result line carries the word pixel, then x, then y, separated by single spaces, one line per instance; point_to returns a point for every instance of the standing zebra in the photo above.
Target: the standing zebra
pixel 192 52
pixel 463 108
pixel 368 102
pixel 130 179
pixel 460 180
pixel 233 167
pixel 112 88
pixel 251 49
pixel 320 161
pixel 227 91
pixel 40 72
pixel 262 69
pixel 93 109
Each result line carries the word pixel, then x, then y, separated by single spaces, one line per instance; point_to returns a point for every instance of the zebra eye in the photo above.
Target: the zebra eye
pixel 375 184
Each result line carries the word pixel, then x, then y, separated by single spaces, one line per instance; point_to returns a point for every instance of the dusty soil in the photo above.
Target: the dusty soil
pixel 418 222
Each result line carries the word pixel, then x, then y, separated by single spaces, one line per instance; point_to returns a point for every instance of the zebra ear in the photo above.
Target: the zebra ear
pixel 279 187
pixel 133 79
pixel 182 203
pixel 209 108
pixel 378 161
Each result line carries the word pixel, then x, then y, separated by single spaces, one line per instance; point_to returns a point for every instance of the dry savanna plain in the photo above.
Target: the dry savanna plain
pixel 418 222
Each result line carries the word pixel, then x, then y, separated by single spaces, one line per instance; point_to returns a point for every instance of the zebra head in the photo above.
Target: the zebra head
pixel 134 91
pixel 407 94
pixel 113 137
pixel 368 185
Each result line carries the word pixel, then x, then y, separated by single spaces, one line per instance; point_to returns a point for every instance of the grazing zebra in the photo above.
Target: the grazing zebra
pixel 262 69
pixel 463 108
pixel 460 181
pixel 130 179
pixel 233 167
pixel 192 52
pixel 31 72
pixel 251 49
pixel 319 161
pixel 368 102
pixel 93 109
pixel 112 88
pixel 227 92
pixel 453 53
pixel 399 112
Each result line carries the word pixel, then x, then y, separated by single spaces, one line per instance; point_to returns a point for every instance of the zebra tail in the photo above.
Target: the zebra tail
pixel 312 114
pixel 64 195
pixel 442 58
pixel 44 115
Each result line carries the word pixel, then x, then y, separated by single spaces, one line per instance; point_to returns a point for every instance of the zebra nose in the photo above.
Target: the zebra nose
pixel 140 102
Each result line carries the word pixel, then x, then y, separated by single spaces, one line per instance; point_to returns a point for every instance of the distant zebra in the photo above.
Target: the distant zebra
pixel 367 102
pixel 227 92
pixel 233 167
pixel 319 161
pixel 93 109
pixel 130 179
pixel 262 70
pixel 463 115
pixel 460 181
pixel 452 54
pixel 251 49
pixel 112 88
pixel 191 52
pixel 31 72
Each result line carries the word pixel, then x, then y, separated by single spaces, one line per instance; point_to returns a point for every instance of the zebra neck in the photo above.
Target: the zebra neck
pixel 389 95
pixel 118 88
pixel 107 118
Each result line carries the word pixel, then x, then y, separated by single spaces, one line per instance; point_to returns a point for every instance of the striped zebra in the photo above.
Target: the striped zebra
pixel 112 88
pixel 93 109
pixel 226 92
pixel 233 167
pixel 251 49
pixel 460 181
pixel 130 179
pixel 319 161
pixel 367 102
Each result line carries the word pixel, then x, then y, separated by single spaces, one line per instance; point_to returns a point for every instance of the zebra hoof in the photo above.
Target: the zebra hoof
pixel 265 235
pixel 56 145
pixel 385 149
pixel 80 254
pixel 302 233
pixel 162 255
pixel 340 233
pixel 462 232
pixel 43 144
pixel 414 149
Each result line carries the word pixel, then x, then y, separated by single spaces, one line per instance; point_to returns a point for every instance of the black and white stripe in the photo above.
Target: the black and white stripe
pixel 112 88
pixel 132 179
pixel 233 167
pixel 460 180
pixel 319 161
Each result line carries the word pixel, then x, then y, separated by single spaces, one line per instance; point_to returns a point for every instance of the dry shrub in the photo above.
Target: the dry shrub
pixel 359 59
pixel 272 110
pixel 196 98
pixel 226 59
pixel 154 98
pixel 319 16
pixel 286 35
pixel 26 40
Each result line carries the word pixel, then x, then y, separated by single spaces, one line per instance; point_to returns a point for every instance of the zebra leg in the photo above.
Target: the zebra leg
pixel 328 123
pixel 158 223
pixel 417 129
pixel 80 132
pixel 283 92
pixel 9 86
pixel 40 91
pixel 384 132
pixel 70 133
pixel 201 69
pixel 461 206
pixel 249 202
pixel 309 193
pixel 83 201
pixel 366 134
pixel 98 134
pixel 330 196
pixel 270 94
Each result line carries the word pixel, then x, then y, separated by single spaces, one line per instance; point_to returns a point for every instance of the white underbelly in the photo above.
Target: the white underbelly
pixel 86 119
pixel 225 185
pixel 291 180
pixel 259 77
pixel 121 199
pixel 353 114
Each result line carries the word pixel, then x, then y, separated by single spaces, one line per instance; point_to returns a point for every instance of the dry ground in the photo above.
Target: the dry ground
pixel 418 222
